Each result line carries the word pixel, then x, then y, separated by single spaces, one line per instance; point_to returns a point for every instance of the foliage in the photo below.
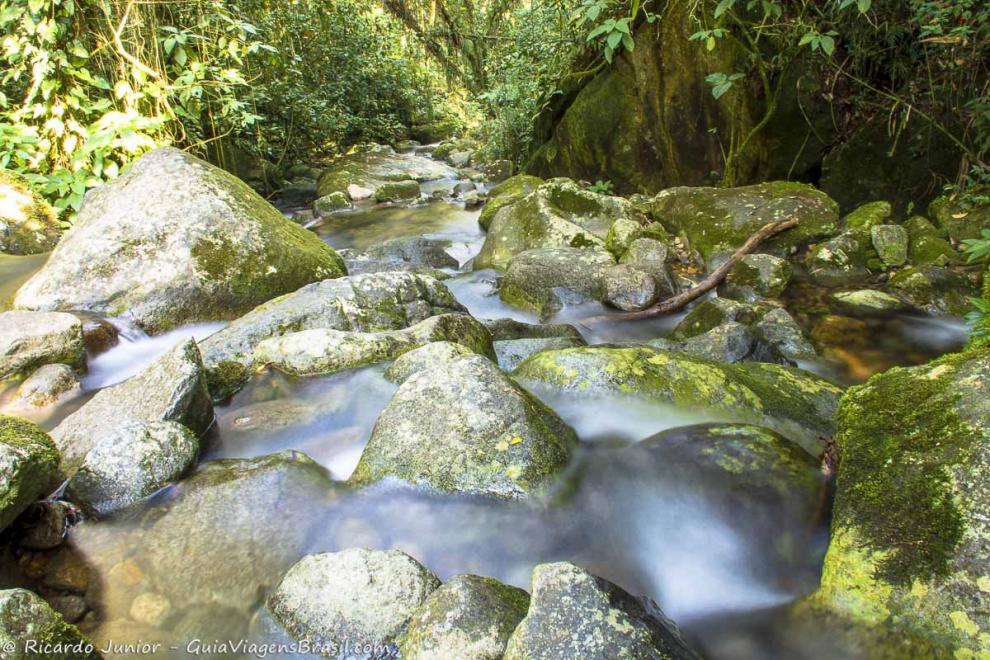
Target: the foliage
pixel 603 187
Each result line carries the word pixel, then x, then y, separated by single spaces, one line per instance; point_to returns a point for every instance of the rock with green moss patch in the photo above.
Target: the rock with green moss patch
pixel 29 340
pixel 711 313
pixel 730 342
pixel 777 328
pixel 505 329
pixel 47 385
pixel 574 614
pixel 28 466
pixel 756 277
pixel 513 352
pixel 559 213
pixel 425 357
pixel 170 389
pixel 719 220
pixel 959 223
pixel 621 235
pixel 867 302
pixel 28 224
pixel 368 170
pixel 926 247
pixel 397 191
pixel 843 260
pixel 648 255
pixel 33 630
pixel 131 463
pixel 869 215
pixel 890 243
pixel 218 248
pixel 329 204
pixel 506 193
pixel 468 617
pixel 630 289
pixel 466 427
pixel 909 543
pixel 533 278
pixel 934 290
pixel 324 351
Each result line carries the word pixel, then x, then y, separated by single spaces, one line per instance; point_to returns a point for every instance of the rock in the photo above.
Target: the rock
pixel 497 170
pixel 298 193
pixel 414 250
pixel 512 352
pixel 131 463
pixel 504 329
pixel 99 335
pixel 891 243
pixel 621 235
pixel 233 527
pixel 360 172
pixel 29 340
pixel 71 607
pixel 868 301
pixel 756 277
pixel 463 187
pixel 557 214
pixel 324 351
pixel 791 401
pixel 729 342
pixel 629 289
pixel 269 416
pixel 425 357
pixel 573 614
pixel 779 330
pixel 219 249
pixel 35 630
pixel 397 191
pixel 28 466
pixel 359 193
pixel 360 303
pixel 959 223
pixel 460 159
pixel 648 255
pixel 47 385
pixel 151 609
pixel 710 314
pixel 934 290
pixel 719 220
pixel 329 204
pixel 170 389
pixel 466 427
pixel 908 551
pixel 535 277
pixel 473 199
pixel 841 261
pixel 469 617
pixel 28 224
pixel 869 215
pixel 926 247
pixel 506 193
pixel 44 524
pixel 357 597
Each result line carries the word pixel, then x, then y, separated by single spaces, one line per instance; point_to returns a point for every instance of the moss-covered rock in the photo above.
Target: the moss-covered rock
pixel 711 313
pixel 369 170
pixel 909 530
pixel 29 340
pixel 866 302
pixel 33 630
pixel 934 290
pixel 28 466
pixel 466 427
pixel 397 191
pixel 329 204
pixel 777 328
pixel 719 220
pixel 28 224
pixel 218 248
pixel 756 277
pixel 890 243
pixel 504 329
pixel 533 277
pixel 926 247
pixel 425 357
pixel 868 215
pixel 958 223
pixel 843 260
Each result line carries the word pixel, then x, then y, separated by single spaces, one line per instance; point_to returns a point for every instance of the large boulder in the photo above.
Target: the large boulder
pixel 466 427
pixel 28 466
pixel 170 389
pixel 29 340
pixel 28 224
pixel 957 222
pixel 533 278
pixel 559 213
pixel 361 303
pixel 218 248
pixel 30 629
pixel 324 350
pixel 574 614
pixel 425 357
pixel 508 192
pixel 720 220
pixel 926 247
pixel 47 385
pixel 934 290
pixel 909 548
pixel 370 170
pixel 359 598
pixel 469 617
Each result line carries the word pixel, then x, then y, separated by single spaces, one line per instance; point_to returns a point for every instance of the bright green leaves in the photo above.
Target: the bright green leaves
pixel 614 34
pixel 819 41
pixel 862 5
pixel 710 37
pixel 978 249
pixel 722 83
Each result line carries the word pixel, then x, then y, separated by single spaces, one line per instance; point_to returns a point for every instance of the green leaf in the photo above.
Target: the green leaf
pixel 723 6
pixel 614 38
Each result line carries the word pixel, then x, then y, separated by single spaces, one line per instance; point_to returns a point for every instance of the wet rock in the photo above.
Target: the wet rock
pixel 460 159
pixel 908 551
pixel 507 193
pixel 841 261
pixel 621 235
pixel 648 255
pixel 356 597
pixel 28 466
pixel 466 427
pixel 891 244
pixel 512 352
pixel 414 250
pixel 473 199
pixel 756 277
pixel 505 329
pixel 131 463
pixel 361 174
pixel 358 193
pixel 71 607
pixel 534 278
pixel 425 357
pixel 99 335
pixel 868 301
pixel 360 303
pixel 44 525
pixel 219 248
pixel 711 313
pixel 26 619
pixel 330 204
pixel 718 220
pixel 469 617
pixel 29 340
pixel 151 609
pixel 28 224
pixel 779 330
pixel 926 247
pixel 629 289
pixel 269 416
pixel 557 214
pixel 325 351
pixel 934 290
pixel 170 389
pixel 573 614
pixel 959 223
pixel 730 342
pixel 397 191
pixel 47 385
pixel 67 571
pixel 463 187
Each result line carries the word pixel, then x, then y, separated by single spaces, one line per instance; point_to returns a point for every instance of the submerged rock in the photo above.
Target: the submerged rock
pixel 29 340
pixel 47 385
pixel 425 357
pixel 414 250
pixel 504 329
pixel 32 629
pixel 28 466
pixel 466 427
pixel 170 389
pixel 218 248
pixel 28 224
pixel 351 600
pixel 469 617
pixel 573 614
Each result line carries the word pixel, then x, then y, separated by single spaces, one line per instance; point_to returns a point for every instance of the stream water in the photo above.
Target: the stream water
pixel 654 530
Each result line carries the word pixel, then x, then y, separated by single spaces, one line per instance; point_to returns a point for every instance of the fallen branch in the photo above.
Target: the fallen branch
pixel 685 298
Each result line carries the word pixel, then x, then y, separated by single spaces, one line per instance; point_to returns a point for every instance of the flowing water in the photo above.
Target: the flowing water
pixel 214 544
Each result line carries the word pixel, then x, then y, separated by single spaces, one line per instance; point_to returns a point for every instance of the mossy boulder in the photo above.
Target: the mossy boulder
pixel 397 191
pixel 926 247
pixel 711 313
pixel 369 170
pixel 28 224
pixel 934 290
pixel 869 215
pixel 218 248
pixel 890 243
pixel 959 223
pixel 33 630
pixel 720 220
pixel 559 213
pixel 28 466
pixel 534 278
pixel 909 528
pixel 425 357
pixel 756 277
pixel 843 260
pixel 469 617
pixel 329 204
pixel 29 340
pixel 730 342
pixel 466 427
pixel 777 328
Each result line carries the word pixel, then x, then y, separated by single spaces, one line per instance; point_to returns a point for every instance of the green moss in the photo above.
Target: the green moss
pixel 926 247
pixel 518 185
pixel 35 229
pixel 869 215
pixel 493 206
pixel 34 461
pixel 225 379
pixel 24 434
